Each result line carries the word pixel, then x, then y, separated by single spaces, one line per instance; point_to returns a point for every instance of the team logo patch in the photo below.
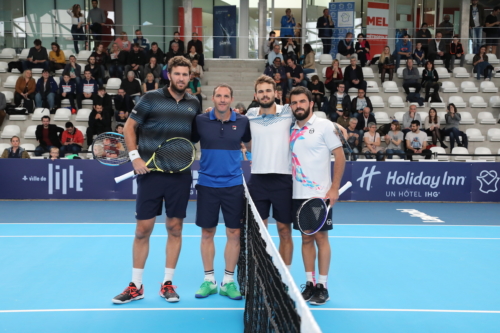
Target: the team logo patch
pixel 311 131
pixel 329 222
pixel 189 109
pixel 234 127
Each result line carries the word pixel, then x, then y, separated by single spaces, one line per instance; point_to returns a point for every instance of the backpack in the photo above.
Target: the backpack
pixel 435 97
pixel 415 98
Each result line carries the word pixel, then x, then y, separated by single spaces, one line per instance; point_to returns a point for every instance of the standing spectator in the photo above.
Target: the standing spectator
pixel 195 88
pixel 409 117
pixel 37 57
pixel 179 42
pixel 123 43
pixel 295 75
pixel 437 50
pixel 317 88
pixel 96 72
pixel 430 79
pixel 275 53
pixel 431 125
pixel 25 89
pixel 353 138
pixel 411 77
pixel 153 68
pixel 290 49
pixel 353 76
pixel 149 83
pixel 419 55
pixel 371 142
pixel 481 64
pixel 363 50
pixel 132 87
pixel 3 105
pixel 492 29
pixel 95 20
pixel 123 101
pixel 333 76
pixel 77 23
pixel 157 53
pixel 309 64
pixel 15 150
pixel 271 42
pixel 196 43
pixel 86 90
pixel 48 136
pixel 174 52
pixel 340 103
pixel 196 69
pixel 456 51
pixel 104 99
pixel 364 119
pixel 476 23
pixel 423 37
pixel 446 28
pixel 46 91
pixel 99 122
pixel 143 43
pixel 287 24
pixel 416 141
pixel 386 64
pixel 116 61
pixel 451 128
pixel 136 61
pixel 325 27
pixel 101 58
pixel 71 140
pixel 359 103
pixel 57 60
pixel 393 139
pixel 403 50
pixel 74 70
pixel 346 46
pixel 67 89
pixel 298 36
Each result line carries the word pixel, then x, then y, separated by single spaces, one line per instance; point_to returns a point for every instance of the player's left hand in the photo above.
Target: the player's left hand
pixel 332 195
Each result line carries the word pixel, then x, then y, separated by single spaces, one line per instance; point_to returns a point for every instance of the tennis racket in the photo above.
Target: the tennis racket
pixel 313 213
pixel 109 149
pixel 173 155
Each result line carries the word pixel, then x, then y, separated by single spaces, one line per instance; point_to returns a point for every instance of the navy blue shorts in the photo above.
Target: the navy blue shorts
pixel 212 199
pixel 155 187
pixel 296 206
pixel 272 189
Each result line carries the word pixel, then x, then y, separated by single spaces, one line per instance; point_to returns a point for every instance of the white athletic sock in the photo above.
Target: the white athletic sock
pixel 310 277
pixel 137 277
pixel 228 277
pixel 169 274
pixel 209 276
pixel 289 267
pixel 322 279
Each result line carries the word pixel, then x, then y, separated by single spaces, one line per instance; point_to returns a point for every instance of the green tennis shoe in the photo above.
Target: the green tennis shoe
pixel 207 288
pixel 230 290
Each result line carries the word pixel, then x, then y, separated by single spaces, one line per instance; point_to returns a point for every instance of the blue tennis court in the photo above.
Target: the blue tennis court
pixel 63 261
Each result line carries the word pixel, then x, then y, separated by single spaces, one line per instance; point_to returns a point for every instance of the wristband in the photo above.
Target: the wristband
pixel 134 154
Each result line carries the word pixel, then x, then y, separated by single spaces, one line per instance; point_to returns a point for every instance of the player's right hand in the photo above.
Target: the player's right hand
pixel 140 167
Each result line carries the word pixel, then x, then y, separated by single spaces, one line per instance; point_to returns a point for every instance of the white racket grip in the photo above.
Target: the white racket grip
pixel 124 177
pixel 342 190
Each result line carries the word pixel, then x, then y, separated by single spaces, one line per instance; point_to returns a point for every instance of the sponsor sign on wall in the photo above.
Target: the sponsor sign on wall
pixel 343 15
pixel 377 26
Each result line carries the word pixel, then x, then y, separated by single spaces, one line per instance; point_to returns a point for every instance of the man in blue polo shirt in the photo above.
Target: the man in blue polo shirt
pixel 220 185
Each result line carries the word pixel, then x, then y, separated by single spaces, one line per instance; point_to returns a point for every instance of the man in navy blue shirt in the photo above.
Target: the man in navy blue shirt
pixel 220 186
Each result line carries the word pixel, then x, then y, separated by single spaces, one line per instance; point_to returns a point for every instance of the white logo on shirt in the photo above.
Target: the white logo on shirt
pixel 311 131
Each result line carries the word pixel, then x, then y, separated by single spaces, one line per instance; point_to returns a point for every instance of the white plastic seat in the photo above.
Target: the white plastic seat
pixel 399 72
pixel 460 72
pixel 8 53
pixel 29 146
pixel 57 79
pixel 3 67
pixel 469 87
pixel 30 132
pixel 18 117
pixel 377 101
pixel 474 134
pixel 372 87
pixel 3 146
pixel 467 118
pixel 468 58
pixel 458 101
pixel 492 58
pixel 396 102
pixel 486 118
pixel 83 55
pixel 39 113
pixel 382 117
pixel 437 105
pixel 460 150
pixel 495 102
pixel 87 101
pixel 449 87
pixel 11 81
pixel 438 62
pixel 68 53
pixel 496 72
pixel 345 60
pixel 352 90
pixel 36 71
pixel 488 87
pixel 9 96
pixel 83 115
pixel 399 116
pixel 442 72
pixel 323 73
pixel 10 130
pixel 36 78
pixel 477 102
pixel 440 150
pixel 420 71
pixel 325 59
pixel 82 129
pixel 484 151
pixel 442 119
pixel 320 114
pixel 423 115
pixel 494 134
pixel 62 114
pixel 390 87
pixel 368 73
pixel 309 75
pixel 24 54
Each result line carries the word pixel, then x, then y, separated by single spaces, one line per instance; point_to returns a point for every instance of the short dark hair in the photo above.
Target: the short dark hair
pixel 406 35
pixel 85 71
pixel 45 117
pixel 416 122
pixel 301 90
pixel 95 1
pixel 496 8
pixel 177 32
pixel 46 71
pixel 119 125
pixel 223 85
pixel 66 74
pixel 37 42
pixel 69 124
pixel 136 44
pixel 137 30
pixel 102 88
pixel 72 56
pixel 154 43
pixel 179 61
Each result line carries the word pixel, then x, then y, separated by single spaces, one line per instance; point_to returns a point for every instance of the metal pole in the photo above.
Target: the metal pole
pixel 262 27
pixel 243 42
pixel 304 21
pixel 188 17
pixel 464 25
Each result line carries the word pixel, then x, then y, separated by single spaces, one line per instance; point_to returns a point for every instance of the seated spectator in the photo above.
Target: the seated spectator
pixel 132 87
pixel 451 128
pixel 394 140
pixel 67 89
pixel 153 68
pixel 119 129
pixel 71 140
pixel 317 89
pixel 270 43
pixel 191 54
pixel 240 108
pixel 143 43
pixel 491 28
pixel 294 74
pixel 194 87
pixel 344 119
pixel 410 116
pixel 136 61
pixel 3 106
pixel 281 82
pixel 371 142
pixel 86 90
pixel 101 58
pixel 198 48
pixel 174 52
pixel 280 98
pixel 54 153
pixel 46 91
pixel 363 50
pixel 74 70
pixel 403 50
pixel 353 138
pixel 290 49
pixel 104 99
pixel 339 103
pixel 386 64
pixel 95 70
pixel 364 119
pixel 123 43
pixel 165 80
pixel 57 60
pixel 121 116
pixel 179 42
pixel 353 76
pixel 277 68
pixel 359 103
pixel 411 76
pixel 430 79
pixel 456 52
pixel 156 53
pixel 481 65
pixel 245 154
pixel 309 65
pixel 123 101
pixel 346 46
pixel 419 55
pixel 275 53
pixel 116 61
pixel 333 76
pixel 150 83
pixel 196 69
pixel 37 57
pixel 99 123
pixel 431 125
pixel 48 136
pixel 15 150
pixel 437 50
pixel 25 89
pixel 416 141
pixel 423 37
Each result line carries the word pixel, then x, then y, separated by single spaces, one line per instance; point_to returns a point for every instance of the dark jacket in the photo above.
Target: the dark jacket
pixel 361 121
pixel 324 31
pixel 181 46
pixel 159 55
pixel 95 72
pixel 456 48
pixel 423 37
pixel 55 133
pixel 342 47
pixel 346 103
pixel 136 58
pixel 79 88
pixel 358 47
pixel 411 76
pixel 103 124
pixel 71 83
pixel 131 88
pixel 349 71
pixel 295 48
pixel 100 59
pixel 387 61
pixel 171 54
pixel 78 69
pixel 38 54
pixel 481 16
pixel 433 49
pixel 197 44
pixel 424 76
pixel 106 102
pixel 355 102
pixel 122 59
pixel 52 83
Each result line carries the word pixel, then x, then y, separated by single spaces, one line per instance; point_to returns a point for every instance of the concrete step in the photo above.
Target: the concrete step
pixel 223 63
pixel 233 69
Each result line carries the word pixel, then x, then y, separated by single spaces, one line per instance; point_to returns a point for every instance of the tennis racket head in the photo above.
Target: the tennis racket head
pixel 174 155
pixel 109 149
pixel 312 215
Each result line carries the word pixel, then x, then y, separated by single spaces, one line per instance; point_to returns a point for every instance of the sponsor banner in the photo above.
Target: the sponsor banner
pixel 224 32
pixel 377 26
pixel 485 182
pixel 343 15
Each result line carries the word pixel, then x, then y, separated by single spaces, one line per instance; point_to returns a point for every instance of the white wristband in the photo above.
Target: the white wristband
pixel 134 154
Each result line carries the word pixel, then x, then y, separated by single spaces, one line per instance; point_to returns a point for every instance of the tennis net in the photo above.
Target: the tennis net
pixel 273 301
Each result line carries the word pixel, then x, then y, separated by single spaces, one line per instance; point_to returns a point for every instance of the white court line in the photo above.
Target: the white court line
pixel 335 224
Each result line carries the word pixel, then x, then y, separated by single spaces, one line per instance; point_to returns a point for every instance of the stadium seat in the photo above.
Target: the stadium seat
pixel 469 87
pixel 30 132
pixel 376 56
pixel 437 105
pixel 62 114
pixel 477 102
pixel 9 96
pixel 309 76
pixel 3 146
pixel 83 115
pixel 468 58
pixel 39 113
pixel 440 150
pixel 420 71
pixel 9 131
pixel 438 62
pixel 495 102
pixel 460 150
pixel 18 117
pixel 399 72
pixel 474 134
pixel 496 72
pixel 449 87
pixel 423 115
pixel 325 59
pixel 390 87
pixel 467 118
pixel 460 72
pixel 323 73
pixel 492 58
pixel 68 53
pixel 352 91
pixel 399 116
pixel 395 102
pixel 372 87
pixel 87 102
pixel 8 53
pixel 368 73
pixel 377 101
pixel 484 151
pixel 488 87
pixel 83 129
pixel 382 117
pixel 11 81
pixel 29 146
pixel 36 71
pixel 345 60
pixel 3 67
pixel 442 119
pixel 24 54
pixel 319 114
pixel 458 101
pixel 36 78
pixel 494 134
pixel 57 79
pixel 83 56
pixel 486 118
pixel 443 73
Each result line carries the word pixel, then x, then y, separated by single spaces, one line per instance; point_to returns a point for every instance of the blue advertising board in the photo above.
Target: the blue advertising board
pixel 225 32
pixel 343 15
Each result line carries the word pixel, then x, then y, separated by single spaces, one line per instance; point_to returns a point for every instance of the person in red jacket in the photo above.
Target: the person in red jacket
pixel 71 140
